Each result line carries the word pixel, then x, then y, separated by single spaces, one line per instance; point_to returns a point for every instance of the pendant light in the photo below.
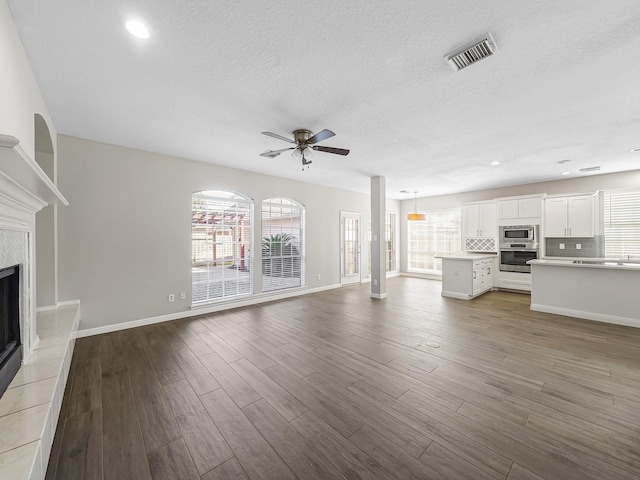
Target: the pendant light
pixel 415 216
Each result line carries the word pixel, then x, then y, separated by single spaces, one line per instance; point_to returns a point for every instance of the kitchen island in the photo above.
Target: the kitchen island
pixel 467 275
pixel 594 289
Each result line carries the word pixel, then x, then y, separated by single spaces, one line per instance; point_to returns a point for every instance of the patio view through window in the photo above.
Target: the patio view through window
pixel 438 234
pixel 220 245
pixel 282 244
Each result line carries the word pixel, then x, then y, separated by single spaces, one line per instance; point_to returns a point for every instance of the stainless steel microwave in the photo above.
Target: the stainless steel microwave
pixel 519 234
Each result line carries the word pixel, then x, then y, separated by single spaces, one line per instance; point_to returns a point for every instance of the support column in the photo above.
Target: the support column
pixel 378 261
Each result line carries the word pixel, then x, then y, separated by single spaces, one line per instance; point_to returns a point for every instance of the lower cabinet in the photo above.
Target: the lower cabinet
pixel 482 276
pixel 466 278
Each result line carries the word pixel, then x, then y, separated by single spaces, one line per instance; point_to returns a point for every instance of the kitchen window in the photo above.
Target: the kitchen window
pixel 622 223
pixel 439 234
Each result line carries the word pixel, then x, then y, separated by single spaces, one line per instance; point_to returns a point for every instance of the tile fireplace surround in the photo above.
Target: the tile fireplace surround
pixel 30 407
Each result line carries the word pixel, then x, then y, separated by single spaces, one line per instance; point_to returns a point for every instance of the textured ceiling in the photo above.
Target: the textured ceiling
pixel 213 75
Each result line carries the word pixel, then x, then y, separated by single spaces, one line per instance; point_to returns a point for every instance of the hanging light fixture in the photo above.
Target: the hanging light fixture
pixel 415 216
pixel 303 153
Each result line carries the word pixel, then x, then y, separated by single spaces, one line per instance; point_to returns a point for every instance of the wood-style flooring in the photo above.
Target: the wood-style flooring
pixel 339 385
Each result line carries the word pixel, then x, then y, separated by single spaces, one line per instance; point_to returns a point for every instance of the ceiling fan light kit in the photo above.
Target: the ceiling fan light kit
pixel 304 141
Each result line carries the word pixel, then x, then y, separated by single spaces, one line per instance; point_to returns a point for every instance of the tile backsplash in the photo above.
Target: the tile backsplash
pixel 589 247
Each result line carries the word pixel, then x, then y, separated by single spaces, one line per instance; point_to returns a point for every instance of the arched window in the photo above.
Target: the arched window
pixel 220 246
pixel 282 244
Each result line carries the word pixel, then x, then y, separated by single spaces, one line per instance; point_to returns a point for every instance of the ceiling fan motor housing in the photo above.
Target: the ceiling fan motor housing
pixel 301 136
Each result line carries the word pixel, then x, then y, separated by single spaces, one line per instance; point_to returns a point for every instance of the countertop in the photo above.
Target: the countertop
pixel 467 256
pixel 602 263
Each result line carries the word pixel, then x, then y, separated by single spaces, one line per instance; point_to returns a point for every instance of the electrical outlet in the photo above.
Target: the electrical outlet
pixel 375 281
pixel 562 246
pixel 318 276
pixel 183 295
pixel 578 246
pixel 172 298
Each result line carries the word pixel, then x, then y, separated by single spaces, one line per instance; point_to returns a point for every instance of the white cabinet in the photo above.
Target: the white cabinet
pixel 507 209
pixel 519 208
pixel 572 216
pixel 479 220
pixel 479 227
pixel 466 278
pixel 482 276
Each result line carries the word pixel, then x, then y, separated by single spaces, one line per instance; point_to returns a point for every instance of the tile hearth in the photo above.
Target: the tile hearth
pixel 30 407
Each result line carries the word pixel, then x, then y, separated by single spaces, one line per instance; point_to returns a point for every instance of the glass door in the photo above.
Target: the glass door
pixel 350 248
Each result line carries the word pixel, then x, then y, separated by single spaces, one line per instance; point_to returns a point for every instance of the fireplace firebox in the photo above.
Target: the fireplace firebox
pixel 10 345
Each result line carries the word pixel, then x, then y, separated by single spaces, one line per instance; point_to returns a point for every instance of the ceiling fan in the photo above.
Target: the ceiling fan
pixel 305 142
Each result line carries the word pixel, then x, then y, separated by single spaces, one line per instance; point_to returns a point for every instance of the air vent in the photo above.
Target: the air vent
pixel 471 53
pixel 589 169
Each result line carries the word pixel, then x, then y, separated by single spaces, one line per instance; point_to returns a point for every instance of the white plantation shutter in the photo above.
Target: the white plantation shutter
pixel 220 246
pixel 438 234
pixel 622 223
pixel 282 244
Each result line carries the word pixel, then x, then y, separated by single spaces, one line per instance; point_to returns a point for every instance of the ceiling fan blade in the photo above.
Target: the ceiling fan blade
pixel 275 153
pixel 279 137
pixel 321 135
pixel 337 151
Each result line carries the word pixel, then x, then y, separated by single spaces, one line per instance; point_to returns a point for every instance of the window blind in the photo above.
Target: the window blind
pixel 282 244
pixel 622 223
pixel 220 246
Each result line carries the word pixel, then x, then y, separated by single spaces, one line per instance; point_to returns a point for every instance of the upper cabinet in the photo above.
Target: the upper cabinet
pixel 479 227
pixel 571 216
pixel 519 208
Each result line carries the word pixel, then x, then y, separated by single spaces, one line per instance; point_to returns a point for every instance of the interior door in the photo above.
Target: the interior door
pixel 350 248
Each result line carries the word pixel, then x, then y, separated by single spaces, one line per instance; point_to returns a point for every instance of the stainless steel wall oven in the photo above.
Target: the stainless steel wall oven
pixel 518 245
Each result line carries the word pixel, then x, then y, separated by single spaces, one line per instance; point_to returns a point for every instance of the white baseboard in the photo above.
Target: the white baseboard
pixel 68 303
pixel 49 308
pixel 88 332
pixel 598 317
pixel 461 296
pixel 378 295
pixel 428 276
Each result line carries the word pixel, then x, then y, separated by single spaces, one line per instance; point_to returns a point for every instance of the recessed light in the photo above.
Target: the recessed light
pixel 634 150
pixel 137 29
pixel 495 163
pixel 565 173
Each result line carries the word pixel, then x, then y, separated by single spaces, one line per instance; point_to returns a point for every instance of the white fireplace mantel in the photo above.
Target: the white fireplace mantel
pixel 24 179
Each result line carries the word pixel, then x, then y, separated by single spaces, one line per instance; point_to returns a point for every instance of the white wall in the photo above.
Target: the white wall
pixel 20 95
pixel 589 183
pixel 124 241
pixel 20 101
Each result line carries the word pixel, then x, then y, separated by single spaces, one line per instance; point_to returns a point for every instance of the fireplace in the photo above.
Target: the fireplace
pixel 10 344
